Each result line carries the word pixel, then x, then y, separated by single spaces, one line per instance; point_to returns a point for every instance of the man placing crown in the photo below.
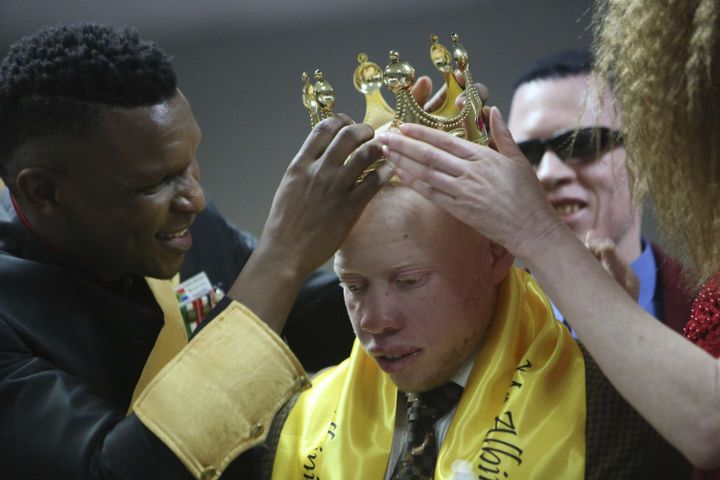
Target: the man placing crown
pixel 98 378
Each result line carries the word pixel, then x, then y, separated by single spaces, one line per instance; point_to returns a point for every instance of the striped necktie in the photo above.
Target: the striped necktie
pixel 419 454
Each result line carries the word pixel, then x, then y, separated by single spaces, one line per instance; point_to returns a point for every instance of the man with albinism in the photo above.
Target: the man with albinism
pixel 459 371
pixel 567 124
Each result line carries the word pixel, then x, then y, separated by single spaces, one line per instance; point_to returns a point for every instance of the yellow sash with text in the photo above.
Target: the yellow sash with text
pixel 521 416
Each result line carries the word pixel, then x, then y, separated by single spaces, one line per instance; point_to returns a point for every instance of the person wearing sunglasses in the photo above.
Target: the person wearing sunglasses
pixel 575 145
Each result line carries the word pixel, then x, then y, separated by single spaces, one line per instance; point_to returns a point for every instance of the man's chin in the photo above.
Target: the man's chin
pixel 165 270
pixel 423 378
pixel 161 276
pixel 406 385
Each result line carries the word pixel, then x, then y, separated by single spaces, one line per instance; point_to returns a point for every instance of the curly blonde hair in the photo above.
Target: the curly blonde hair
pixel 663 58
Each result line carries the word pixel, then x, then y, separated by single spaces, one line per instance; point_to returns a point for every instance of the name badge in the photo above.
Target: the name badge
pixel 196 297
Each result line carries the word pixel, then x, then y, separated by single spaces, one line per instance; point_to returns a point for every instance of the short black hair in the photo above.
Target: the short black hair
pixel 57 80
pixel 567 63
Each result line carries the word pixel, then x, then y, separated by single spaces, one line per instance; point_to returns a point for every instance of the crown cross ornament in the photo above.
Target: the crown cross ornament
pixel 399 77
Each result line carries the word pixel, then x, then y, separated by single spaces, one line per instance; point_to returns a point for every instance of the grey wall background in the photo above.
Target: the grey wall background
pixel 239 63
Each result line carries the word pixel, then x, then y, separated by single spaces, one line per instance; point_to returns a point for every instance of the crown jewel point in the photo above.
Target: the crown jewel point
pixel 368 77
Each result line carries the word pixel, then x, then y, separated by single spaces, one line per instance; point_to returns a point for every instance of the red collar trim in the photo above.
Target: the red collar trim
pixel 21 215
pixel 29 226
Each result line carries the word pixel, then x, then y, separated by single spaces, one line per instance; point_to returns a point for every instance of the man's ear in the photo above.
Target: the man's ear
pixel 502 260
pixel 37 187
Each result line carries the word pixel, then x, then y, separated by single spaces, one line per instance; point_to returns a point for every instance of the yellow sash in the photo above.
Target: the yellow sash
pixel 522 414
pixel 172 337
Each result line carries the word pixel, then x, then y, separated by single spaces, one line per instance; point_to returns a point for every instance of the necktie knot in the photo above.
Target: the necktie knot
pixel 434 404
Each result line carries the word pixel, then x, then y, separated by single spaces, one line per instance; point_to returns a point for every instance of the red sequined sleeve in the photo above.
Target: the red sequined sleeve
pixel 703 328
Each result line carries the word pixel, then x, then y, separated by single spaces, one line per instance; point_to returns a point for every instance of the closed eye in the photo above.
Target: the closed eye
pixel 411 281
pixel 155 187
pixel 353 286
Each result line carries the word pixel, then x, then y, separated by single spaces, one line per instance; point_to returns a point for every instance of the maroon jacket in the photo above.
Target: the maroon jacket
pixel 672 296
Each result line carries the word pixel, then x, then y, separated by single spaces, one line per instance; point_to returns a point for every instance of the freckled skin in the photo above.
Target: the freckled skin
pixel 417 279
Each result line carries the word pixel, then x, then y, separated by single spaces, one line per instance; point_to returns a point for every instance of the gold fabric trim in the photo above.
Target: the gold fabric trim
pixel 218 396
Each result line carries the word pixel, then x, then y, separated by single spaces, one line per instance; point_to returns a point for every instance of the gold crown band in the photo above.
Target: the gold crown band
pixel 399 77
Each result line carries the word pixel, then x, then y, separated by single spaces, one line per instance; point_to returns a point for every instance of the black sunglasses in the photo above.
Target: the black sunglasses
pixel 579 145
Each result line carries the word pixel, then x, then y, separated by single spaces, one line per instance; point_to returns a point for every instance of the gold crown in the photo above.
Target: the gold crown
pixel 399 77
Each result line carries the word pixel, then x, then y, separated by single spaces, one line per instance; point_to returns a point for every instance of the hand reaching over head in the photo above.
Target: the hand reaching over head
pixel 494 191
pixel 318 199
pixel 315 206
